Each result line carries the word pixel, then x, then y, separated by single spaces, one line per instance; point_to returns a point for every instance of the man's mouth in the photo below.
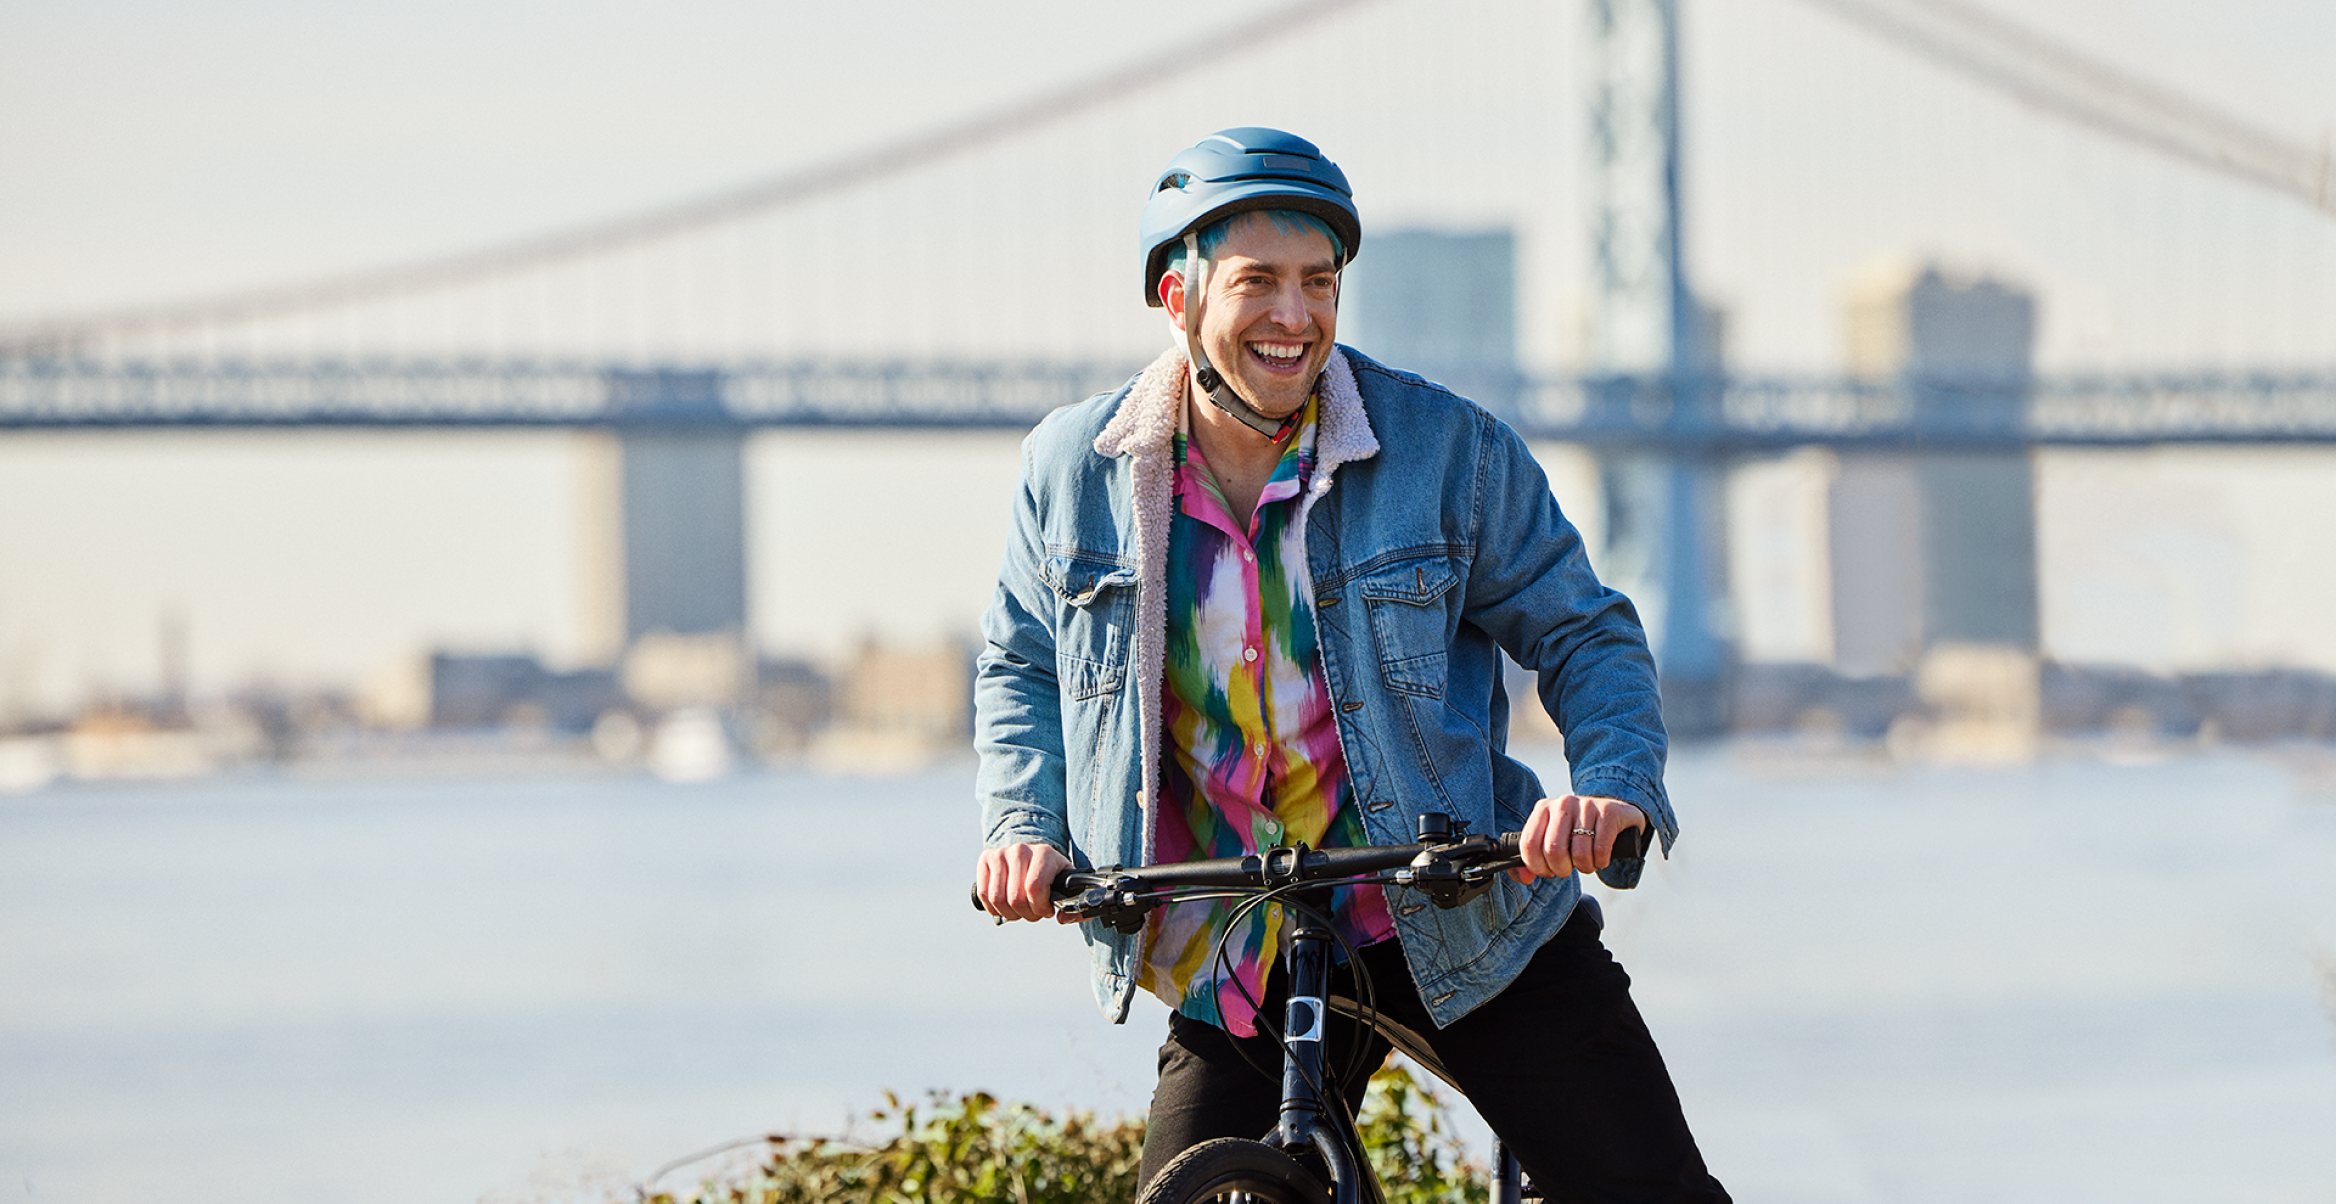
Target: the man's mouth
pixel 1279 355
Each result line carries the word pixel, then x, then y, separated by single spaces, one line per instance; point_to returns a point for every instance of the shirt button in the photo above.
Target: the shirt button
pixel 1249 654
pixel 1261 748
pixel 1247 555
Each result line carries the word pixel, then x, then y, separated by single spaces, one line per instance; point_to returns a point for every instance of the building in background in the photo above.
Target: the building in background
pixel 1442 304
pixel 505 690
pixel 1937 548
pixel 1905 584
pixel 899 708
pixel 1933 554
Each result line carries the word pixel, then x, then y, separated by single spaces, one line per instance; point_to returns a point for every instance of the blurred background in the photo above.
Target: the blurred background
pixel 496 500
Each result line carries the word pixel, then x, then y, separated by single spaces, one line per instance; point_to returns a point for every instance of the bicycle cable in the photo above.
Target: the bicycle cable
pixel 1347 1134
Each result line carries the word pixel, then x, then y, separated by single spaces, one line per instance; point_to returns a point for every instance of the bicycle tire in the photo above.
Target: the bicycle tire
pixel 1217 1169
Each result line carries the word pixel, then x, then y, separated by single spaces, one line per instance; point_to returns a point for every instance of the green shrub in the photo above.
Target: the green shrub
pixel 976 1150
pixel 965 1150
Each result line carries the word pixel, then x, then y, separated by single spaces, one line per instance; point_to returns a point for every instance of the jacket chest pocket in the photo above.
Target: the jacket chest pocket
pixel 1410 602
pixel 1096 595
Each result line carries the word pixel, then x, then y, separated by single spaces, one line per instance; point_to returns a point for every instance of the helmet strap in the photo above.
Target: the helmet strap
pixel 1211 382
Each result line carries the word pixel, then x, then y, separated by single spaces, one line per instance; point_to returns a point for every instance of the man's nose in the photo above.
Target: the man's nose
pixel 1289 309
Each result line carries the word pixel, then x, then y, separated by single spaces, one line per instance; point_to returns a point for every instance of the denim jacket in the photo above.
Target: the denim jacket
pixel 1433 545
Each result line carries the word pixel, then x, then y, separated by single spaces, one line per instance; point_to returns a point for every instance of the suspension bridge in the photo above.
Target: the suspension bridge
pixel 1672 196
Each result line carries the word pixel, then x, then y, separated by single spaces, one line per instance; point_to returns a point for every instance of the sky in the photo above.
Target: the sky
pixel 167 151
pixel 159 151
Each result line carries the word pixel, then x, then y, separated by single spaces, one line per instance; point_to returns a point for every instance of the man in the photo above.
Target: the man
pixel 1259 596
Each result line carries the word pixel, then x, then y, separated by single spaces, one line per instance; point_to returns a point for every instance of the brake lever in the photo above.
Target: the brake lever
pixel 1446 885
pixel 1438 874
pixel 1115 903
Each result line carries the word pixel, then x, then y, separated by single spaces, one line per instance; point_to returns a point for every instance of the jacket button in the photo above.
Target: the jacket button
pixel 1326 600
pixel 1350 706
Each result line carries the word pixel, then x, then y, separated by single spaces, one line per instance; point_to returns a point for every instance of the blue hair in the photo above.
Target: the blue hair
pixel 1287 221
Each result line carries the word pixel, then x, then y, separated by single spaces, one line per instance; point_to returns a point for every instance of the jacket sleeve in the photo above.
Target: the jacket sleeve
pixel 1531 588
pixel 1017 704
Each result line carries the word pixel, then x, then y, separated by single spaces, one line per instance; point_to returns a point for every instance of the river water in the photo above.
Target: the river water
pixel 2072 981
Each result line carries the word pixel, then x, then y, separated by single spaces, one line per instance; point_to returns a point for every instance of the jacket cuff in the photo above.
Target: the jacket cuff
pixel 1028 827
pixel 1648 797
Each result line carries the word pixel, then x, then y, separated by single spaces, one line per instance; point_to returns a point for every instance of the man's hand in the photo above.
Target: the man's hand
pixel 1013 881
pixel 1574 833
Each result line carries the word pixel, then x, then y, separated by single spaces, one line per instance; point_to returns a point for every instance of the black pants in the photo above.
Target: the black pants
pixel 1559 1064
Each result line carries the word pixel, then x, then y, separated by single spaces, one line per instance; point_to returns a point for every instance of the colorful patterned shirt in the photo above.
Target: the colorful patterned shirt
pixel 1252 757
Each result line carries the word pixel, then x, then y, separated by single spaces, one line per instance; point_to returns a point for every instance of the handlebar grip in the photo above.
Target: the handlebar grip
pixel 1629 844
pixel 1062 888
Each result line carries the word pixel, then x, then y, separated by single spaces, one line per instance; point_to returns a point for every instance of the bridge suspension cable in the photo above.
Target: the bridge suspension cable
pixel 849 170
pixel 2060 80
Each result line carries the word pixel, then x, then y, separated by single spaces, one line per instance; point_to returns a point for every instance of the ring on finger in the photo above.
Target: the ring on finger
pixel 1585 831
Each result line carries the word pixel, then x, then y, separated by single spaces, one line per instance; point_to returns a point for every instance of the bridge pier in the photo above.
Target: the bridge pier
pixel 667 577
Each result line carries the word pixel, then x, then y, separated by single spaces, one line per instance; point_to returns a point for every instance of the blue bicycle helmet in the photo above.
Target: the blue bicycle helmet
pixel 1233 171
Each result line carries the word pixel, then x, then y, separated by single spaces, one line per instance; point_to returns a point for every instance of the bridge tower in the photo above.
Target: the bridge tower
pixel 1651 342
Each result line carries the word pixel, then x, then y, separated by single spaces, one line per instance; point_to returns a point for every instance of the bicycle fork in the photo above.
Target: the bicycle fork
pixel 1305 1121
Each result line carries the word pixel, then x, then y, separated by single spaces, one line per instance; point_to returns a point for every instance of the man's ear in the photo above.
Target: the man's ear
pixel 1172 296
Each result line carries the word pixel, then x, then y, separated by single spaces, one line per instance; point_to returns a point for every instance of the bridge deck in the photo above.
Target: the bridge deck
pixel 1728 414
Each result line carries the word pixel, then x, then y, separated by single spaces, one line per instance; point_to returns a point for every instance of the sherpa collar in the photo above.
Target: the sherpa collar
pixel 1147 417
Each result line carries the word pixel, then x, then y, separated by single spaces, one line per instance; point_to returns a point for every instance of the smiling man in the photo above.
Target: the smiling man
pixel 1259 596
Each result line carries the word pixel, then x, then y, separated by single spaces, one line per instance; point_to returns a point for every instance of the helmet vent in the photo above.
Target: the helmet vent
pixel 1174 179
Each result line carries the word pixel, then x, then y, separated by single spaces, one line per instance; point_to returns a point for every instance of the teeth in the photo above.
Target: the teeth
pixel 1278 351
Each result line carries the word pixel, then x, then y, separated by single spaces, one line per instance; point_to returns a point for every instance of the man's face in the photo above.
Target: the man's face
pixel 1271 312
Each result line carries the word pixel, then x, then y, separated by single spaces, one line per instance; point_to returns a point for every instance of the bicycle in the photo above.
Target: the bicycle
pixel 1314 1132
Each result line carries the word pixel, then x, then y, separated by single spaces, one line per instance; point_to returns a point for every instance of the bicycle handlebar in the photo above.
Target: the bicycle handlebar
pixel 1449 870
